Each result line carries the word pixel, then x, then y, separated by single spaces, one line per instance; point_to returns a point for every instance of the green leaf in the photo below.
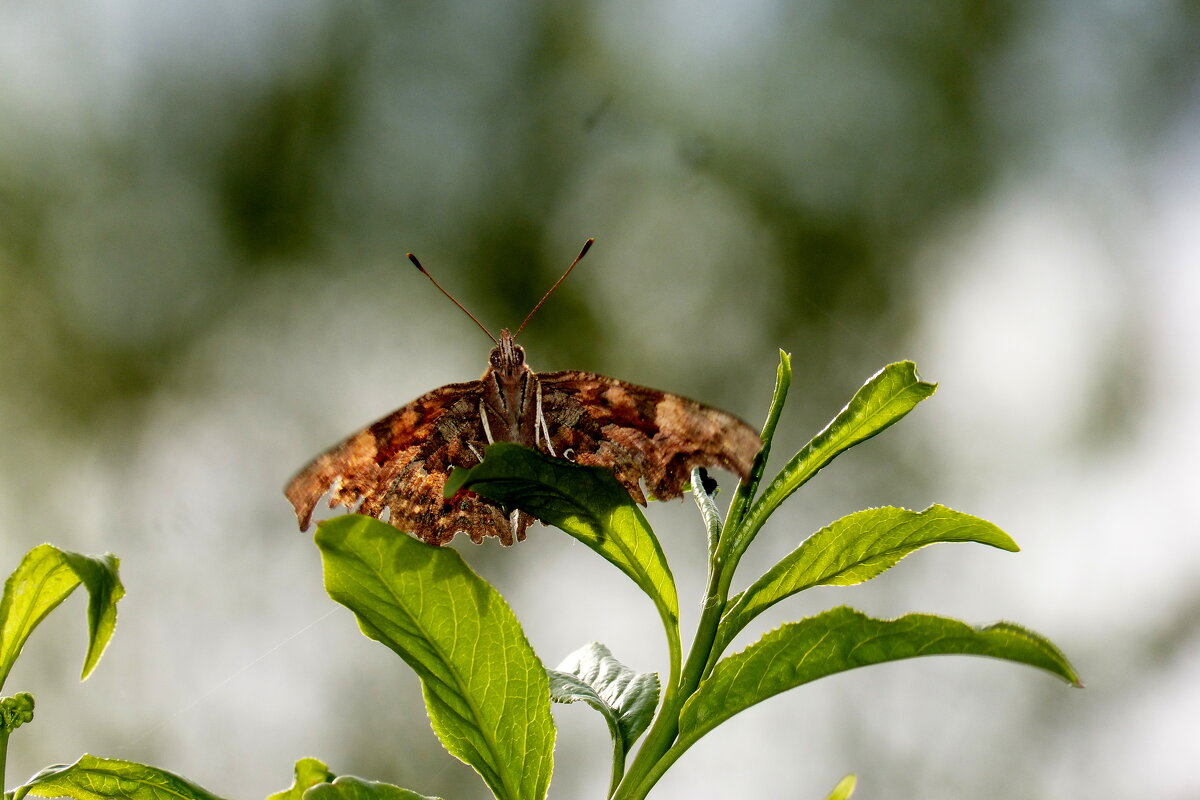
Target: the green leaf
pixel 881 402
pixel 585 502
pixel 93 778
pixel 348 787
pixel 314 781
pixel 844 789
pixel 627 699
pixel 45 577
pixel 746 491
pixel 15 711
pixel 486 692
pixel 854 549
pixel 708 512
pixel 842 639
pixel 308 773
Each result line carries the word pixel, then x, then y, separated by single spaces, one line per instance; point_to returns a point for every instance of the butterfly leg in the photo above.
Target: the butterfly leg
pixel 487 428
pixel 540 426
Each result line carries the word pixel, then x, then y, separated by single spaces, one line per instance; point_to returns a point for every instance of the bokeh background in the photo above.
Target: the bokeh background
pixel 204 211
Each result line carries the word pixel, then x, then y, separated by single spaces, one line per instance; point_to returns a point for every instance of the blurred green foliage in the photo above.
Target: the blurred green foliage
pixel 181 182
pixel 135 210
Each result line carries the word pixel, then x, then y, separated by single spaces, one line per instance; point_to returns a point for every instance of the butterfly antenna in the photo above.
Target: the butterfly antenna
pixel 586 246
pixel 417 264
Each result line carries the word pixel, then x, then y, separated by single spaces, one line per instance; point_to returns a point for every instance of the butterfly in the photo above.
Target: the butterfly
pixel 400 463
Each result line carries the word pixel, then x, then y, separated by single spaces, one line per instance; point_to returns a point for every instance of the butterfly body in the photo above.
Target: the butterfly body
pixel 400 463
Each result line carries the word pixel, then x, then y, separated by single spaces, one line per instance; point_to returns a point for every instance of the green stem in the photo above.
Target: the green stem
pixel 715 600
pixel 664 763
pixel 643 773
pixel 675 648
pixel 3 755
pixel 618 765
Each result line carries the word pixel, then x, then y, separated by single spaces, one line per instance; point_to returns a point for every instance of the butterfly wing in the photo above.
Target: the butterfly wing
pixel 642 434
pixel 400 464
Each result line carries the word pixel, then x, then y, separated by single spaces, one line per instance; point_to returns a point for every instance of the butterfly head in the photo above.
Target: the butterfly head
pixel 507 355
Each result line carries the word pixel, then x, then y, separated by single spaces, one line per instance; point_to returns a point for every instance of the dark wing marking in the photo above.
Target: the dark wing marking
pixel 642 434
pixel 400 463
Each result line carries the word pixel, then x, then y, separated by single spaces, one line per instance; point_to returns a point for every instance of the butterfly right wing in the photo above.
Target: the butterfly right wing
pixel 645 436
pixel 400 464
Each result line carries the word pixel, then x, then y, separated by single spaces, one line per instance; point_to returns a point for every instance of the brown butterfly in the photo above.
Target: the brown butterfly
pixel 400 463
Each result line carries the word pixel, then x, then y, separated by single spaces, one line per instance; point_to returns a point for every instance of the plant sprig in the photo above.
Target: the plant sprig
pixel 588 503
pixel 488 694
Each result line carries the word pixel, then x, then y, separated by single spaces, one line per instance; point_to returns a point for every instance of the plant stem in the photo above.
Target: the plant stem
pixel 675 653
pixel 3 754
pixel 644 771
pixel 664 763
pixel 706 629
pixel 618 766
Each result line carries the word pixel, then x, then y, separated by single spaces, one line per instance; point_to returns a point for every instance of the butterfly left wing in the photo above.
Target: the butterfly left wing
pixel 400 463
pixel 642 434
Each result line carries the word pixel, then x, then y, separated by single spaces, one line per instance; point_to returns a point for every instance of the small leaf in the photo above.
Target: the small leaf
pixel 45 577
pixel 708 511
pixel 854 549
pixel 308 773
pixel 627 699
pixel 348 787
pixel 842 639
pixel 885 398
pixel 585 502
pixel 94 778
pixel 15 711
pixel 746 491
pixel 844 789
pixel 485 690
pixel 314 781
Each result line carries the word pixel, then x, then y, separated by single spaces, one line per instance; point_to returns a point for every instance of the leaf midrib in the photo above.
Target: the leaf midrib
pixel 458 686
